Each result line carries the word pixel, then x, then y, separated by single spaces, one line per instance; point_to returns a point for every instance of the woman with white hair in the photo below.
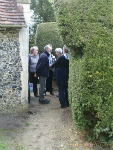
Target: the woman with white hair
pixel 62 73
pixel 58 52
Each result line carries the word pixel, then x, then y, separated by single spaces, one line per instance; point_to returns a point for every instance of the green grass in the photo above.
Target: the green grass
pixel 27 123
pixel 4 146
pixel 7 144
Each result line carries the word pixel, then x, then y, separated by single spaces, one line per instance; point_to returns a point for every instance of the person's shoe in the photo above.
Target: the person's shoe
pixel 63 106
pixel 51 93
pixel 36 95
pixel 44 101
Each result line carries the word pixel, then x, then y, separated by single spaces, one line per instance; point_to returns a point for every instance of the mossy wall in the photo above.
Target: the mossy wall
pixel 87 30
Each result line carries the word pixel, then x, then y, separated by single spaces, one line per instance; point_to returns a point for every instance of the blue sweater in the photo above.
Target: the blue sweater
pixel 42 68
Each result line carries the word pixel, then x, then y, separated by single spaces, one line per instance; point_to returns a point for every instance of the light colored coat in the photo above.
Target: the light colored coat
pixel 33 62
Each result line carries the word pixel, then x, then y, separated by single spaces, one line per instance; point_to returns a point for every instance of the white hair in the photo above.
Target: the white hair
pixel 47 47
pixel 59 50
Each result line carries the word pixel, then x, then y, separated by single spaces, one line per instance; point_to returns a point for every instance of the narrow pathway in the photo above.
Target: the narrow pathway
pixel 51 128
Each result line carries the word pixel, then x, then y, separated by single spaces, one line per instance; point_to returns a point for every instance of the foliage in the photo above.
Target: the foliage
pixel 31 39
pixel 87 29
pixel 42 12
pixel 47 33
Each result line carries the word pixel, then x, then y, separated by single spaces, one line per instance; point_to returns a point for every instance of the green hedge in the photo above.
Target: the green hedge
pixel 86 27
pixel 48 33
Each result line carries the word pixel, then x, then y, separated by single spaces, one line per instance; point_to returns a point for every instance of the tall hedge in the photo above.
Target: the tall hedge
pixel 48 33
pixel 86 27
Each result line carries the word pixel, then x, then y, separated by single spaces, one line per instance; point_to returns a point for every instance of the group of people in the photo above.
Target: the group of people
pixel 42 67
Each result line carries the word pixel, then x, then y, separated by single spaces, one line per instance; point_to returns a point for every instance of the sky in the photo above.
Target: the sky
pixel 31 20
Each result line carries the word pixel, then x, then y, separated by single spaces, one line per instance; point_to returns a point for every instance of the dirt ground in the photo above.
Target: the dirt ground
pixel 45 127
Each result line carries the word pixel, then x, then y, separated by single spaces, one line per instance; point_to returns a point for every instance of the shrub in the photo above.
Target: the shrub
pixel 87 29
pixel 47 33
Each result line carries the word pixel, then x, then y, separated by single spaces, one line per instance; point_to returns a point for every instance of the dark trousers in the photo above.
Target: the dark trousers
pixel 28 92
pixel 49 81
pixel 63 95
pixel 34 81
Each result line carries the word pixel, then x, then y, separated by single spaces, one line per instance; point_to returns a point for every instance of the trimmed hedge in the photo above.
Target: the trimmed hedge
pixel 48 33
pixel 87 29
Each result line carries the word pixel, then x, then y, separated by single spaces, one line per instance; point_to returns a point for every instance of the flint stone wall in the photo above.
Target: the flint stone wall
pixel 10 71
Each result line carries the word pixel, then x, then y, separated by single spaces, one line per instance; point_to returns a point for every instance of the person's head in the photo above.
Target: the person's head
pixel 34 50
pixel 58 51
pixel 65 50
pixel 47 48
pixel 51 47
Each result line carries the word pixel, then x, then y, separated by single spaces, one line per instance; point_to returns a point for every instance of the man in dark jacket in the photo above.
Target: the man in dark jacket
pixel 62 73
pixel 42 70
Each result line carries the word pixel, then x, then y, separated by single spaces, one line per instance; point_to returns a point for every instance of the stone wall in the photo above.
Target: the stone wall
pixel 10 71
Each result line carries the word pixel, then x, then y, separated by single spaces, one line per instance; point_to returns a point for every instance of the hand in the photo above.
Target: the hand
pixel 35 75
pixel 50 66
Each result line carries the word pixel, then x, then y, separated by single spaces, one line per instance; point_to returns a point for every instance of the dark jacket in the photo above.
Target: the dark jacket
pixel 62 70
pixel 62 75
pixel 42 68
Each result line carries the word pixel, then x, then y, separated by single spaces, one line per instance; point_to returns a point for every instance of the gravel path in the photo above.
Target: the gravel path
pixel 46 127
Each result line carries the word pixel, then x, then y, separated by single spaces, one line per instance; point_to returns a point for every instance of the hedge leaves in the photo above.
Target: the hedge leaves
pixel 86 27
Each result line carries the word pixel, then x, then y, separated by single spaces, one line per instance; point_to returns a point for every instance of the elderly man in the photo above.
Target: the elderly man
pixel 42 70
pixel 50 78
